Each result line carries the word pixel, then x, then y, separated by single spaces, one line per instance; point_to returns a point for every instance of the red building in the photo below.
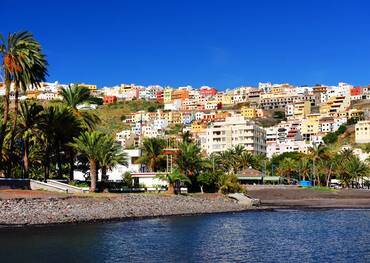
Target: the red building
pixel 109 99
pixel 159 96
pixel 355 91
pixel 206 91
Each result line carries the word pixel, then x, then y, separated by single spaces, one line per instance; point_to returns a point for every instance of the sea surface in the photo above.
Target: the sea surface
pixel 279 236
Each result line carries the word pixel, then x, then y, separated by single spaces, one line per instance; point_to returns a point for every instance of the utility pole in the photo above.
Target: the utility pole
pixel 213 164
pixel 264 171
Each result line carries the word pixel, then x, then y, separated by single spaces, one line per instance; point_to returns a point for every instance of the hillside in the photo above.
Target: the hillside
pixel 113 114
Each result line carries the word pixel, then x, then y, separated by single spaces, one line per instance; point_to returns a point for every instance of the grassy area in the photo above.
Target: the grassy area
pixel 113 114
pixel 79 184
pixel 321 189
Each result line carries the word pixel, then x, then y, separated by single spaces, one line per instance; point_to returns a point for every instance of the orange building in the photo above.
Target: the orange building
pixel 180 94
pixel 109 99
pixel 215 116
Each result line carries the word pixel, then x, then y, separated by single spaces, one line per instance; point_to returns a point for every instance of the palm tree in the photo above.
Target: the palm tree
pixel 222 160
pixel 189 159
pixel 172 178
pixel 23 64
pixel 89 144
pixel 317 152
pixel 246 159
pixel 152 153
pixel 304 166
pixel 238 150
pixel 354 169
pixel 186 137
pixel 110 156
pixel 58 126
pixel 287 167
pixel 75 95
pixel 29 120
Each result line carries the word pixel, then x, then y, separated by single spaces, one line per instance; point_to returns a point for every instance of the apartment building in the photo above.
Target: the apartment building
pixel 248 112
pixel 298 110
pixel 235 130
pixel 335 105
pixel 277 148
pixel 275 101
pixel 362 132
pixel 207 91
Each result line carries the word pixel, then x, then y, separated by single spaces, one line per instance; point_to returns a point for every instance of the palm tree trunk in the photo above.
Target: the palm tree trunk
pixel 103 173
pixel 6 112
pixel 25 159
pixel 71 165
pixel 59 160
pixel 46 169
pixel 171 188
pixel 14 126
pixel 47 163
pixel 93 175
pixel 329 176
pixel 152 165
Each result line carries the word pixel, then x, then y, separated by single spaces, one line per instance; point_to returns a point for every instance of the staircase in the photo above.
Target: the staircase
pixel 53 185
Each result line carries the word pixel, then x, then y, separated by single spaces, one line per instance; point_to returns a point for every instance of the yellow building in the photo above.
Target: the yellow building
pixel 197 127
pixel 176 117
pixel 310 127
pixel 167 95
pixel 247 112
pixel 302 109
pixel 32 94
pixel 226 99
pixel 91 87
pixel 335 105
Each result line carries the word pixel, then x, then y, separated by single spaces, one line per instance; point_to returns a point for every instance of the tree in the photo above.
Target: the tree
pixel 23 64
pixel 172 178
pixel 189 158
pixel 354 170
pixel 152 153
pixel 287 167
pixel 330 138
pixel 246 160
pixel 58 126
pixel 29 127
pixel 317 152
pixel 304 166
pixel 74 95
pixel 110 155
pixel 228 183
pixel 186 137
pixel 89 144
pixel 206 179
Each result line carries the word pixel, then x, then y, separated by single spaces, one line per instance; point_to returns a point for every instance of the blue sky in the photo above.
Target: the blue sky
pixel 218 43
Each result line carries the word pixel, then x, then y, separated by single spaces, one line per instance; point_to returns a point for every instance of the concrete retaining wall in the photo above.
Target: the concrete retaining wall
pixel 12 183
pixel 266 186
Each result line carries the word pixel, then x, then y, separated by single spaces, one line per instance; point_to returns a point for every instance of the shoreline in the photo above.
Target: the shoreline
pixel 134 218
pixel 42 209
pixel 18 212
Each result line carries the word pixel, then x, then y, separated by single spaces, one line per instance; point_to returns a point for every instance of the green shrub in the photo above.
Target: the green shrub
pixel 228 183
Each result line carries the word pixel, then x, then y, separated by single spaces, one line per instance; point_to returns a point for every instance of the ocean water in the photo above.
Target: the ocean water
pixel 279 236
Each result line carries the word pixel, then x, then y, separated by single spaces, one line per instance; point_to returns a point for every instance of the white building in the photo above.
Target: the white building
pixel 49 96
pixel 288 146
pixel 235 130
pixel 362 133
pixel 175 105
pixel 116 174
